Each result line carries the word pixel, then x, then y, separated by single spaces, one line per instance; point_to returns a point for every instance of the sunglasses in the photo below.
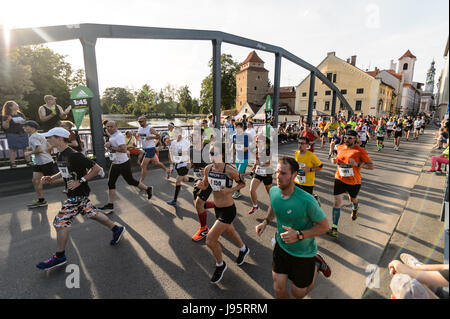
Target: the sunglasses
pixel 213 153
pixel 302 143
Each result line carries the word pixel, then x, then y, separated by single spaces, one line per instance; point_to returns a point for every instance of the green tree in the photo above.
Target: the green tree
pixel 15 80
pixel 184 99
pixel 228 70
pixel 120 97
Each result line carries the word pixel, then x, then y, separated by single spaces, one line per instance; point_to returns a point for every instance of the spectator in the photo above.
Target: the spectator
pixel 74 138
pixel 244 121
pixel 130 142
pixel 12 121
pixel 439 160
pixel 51 113
pixel 430 276
pixel 282 137
pixel 106 134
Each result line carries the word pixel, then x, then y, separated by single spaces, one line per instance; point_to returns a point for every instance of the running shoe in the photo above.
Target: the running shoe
pixel 202 232
pixel 149 192
pixel 107 209
pixel 333 232
pixel 37 203
pixel 253 210
pixel 218 273
pixel 324 268
pixel 242 254
pixel 236 195
pixel 52 262
pixel 117 235
pixel 410 260
pixel 172 202
pixel 354 214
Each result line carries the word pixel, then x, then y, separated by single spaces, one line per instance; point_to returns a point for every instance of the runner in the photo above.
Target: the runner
pixel 322 124
pixel 201 203
pixel 408 124
pixel 120 165
pixel 380 132
pixel 76 170
pixel 219 175
pixel 179 153
pixel 240 147
pixel 331 128
pixel 422 127
pixel 350 159
pixel 336 140
pixel 148 136
pixel 398 129
pixel 308 164
pixel 262 173
pixel 389 127
pixel 417 128
pixel 312 136
pixel 363 132
pixel 42 160
pixel 299 221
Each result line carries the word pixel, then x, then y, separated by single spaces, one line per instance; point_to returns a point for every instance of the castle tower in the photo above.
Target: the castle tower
pixel 252 82
pixel 406 66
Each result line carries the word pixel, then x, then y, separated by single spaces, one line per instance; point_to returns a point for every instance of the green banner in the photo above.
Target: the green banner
pixel 81 92
pixel 78 115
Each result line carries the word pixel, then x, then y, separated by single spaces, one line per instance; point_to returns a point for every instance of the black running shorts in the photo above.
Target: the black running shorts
pixel 182 171
pixel 397 134
pixel 48 169
pixel 341 188
pixel 267 180
pixel 225 215
pixel 202 194
pixel 299 270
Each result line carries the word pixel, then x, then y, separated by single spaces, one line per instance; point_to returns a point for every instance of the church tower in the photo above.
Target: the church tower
pixel 252 82
pixel 429 86
pixel 406 66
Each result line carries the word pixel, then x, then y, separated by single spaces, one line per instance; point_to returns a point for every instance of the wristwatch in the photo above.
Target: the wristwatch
pixel 83 180
pixel 300 235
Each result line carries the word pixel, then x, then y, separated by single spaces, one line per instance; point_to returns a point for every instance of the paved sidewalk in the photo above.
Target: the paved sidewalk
pixel 419 231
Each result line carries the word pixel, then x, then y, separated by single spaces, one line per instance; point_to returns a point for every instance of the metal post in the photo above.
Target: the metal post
pixel 333 104
pixel 95 113
pixel 312 84
pixel 276 89
pixel 216 81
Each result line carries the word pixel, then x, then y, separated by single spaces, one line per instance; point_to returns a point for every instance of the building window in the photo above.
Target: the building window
pixel 359 91
pixel 256 88
pixel 405 66
pixel 314 105
pixel 358 106
pixel 241 89
pixel 304 94
pixel 315 93
pixel 334 78
pixel 327 92
pixel 259 77
pixel 330 76
pixel 343 92
pixel 341 106
pixel 327 106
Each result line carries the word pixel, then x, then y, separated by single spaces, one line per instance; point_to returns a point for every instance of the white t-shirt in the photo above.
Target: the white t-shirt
pixel 144 132
pixel 180 152
pixel 417 124
pixel 36 140
pixel 362 133
pixel 390 125
pixel 116 140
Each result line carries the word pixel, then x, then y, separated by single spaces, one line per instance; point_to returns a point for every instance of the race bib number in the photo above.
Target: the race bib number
pixel 398 129
pixel 177 159
pixel 113 157
pixel 217 181
pixel 64 170
pixel 380 134
pixel 301 175
pixel 345 170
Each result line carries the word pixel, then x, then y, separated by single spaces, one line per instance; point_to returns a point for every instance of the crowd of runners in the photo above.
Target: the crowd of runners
pixel 222 166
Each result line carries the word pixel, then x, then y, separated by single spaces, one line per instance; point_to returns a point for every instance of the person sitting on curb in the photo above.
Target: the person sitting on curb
pixel 439 160
pixel 430 276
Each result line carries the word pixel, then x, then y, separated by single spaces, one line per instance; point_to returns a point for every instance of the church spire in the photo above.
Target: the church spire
pixel 430 78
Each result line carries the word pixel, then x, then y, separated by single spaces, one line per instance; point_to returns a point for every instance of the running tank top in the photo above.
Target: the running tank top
pixel 219 180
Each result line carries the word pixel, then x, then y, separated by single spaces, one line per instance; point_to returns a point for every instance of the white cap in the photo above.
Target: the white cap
pixel 405 287
pixel 57 131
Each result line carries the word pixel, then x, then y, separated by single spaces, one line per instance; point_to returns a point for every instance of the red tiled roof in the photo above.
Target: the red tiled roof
pixel 408 54
pixel 392 72
pixel 284 89
pixel 253 57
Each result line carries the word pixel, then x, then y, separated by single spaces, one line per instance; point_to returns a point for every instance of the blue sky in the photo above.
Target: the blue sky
pixel 375 31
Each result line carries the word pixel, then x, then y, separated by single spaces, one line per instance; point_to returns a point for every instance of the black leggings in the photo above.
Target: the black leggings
pixel 123 169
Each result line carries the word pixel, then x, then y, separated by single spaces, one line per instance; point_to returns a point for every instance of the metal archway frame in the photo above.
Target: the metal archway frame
pixel 89 33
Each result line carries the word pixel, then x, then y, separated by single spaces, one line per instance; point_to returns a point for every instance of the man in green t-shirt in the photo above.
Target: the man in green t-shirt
pixel 299 221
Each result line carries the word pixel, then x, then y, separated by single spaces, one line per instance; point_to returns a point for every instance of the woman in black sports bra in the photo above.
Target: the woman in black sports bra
pixel 220 176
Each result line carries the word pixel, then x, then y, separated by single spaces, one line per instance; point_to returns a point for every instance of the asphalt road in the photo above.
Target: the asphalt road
pixel 157 259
